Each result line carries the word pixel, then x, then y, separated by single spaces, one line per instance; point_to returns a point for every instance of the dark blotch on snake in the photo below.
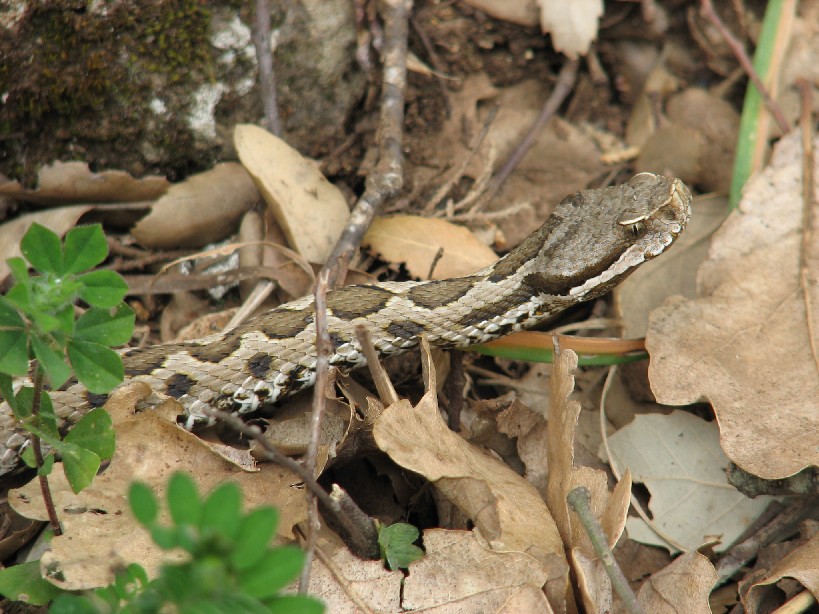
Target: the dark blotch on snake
pixel 178 385
pixel 440 293
pixel 259 365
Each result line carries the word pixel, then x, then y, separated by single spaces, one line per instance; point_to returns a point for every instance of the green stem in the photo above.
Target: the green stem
pixel 579 500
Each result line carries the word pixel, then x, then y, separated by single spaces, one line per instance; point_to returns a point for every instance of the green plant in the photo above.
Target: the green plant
pixel 40 336
pixel 396 543
pixel 231 567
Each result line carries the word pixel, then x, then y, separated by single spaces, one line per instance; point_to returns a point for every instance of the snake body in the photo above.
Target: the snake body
pixel 591 242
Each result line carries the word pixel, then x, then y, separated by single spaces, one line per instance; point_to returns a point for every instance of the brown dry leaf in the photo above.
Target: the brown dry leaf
pixel 681 588
pixel 59 220
pixel 459 573
pixel 704 131
pixel 674 273
pixel 609 508
pixel 345 583
pixel 311 211
pixel 744 343
pixel 800 564
pixel 521 12
pixel 416 240
pixel 73 182
pixel 203 209
pixel 101 534
pixel 679 460
pixel 506 509
pixel 573 25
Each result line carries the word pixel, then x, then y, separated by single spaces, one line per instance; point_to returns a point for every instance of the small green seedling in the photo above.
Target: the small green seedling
pixel 397 546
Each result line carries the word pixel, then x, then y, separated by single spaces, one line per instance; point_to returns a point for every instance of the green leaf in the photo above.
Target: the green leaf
pixel 65 316
pixel 183 500
pixel 23 399
pixel 104 327
pixel 48 465
pixel 273 572
pixel 51 362
pixel 28 457
pixel 94 432
pixel 396 544
pixel 9 316
pixel 166 538
pixel 85 248
pixel 253 537
pixel 104 289
pixel 143 503
pixel 44 321
pixel 222 510
pixel 19 270
pixel 43 250
pixel 295 604
pixel 98 368
pixel 7 390
pixel 73 604
pixel 47 419
pixel 80 466
pixel 13 352
pixel 24 583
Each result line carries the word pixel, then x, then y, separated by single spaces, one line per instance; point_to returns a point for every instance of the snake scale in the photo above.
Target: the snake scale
pixel 591 242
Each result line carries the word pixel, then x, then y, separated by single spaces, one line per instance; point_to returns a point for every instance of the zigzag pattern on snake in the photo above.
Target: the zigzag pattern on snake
pixel 591 242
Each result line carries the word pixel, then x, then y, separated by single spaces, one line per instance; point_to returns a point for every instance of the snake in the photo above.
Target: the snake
pixel 591 242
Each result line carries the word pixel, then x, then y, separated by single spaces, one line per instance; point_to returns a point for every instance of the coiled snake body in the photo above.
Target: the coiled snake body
pixel 591 242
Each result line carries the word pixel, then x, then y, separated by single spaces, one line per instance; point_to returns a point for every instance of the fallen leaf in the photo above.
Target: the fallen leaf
pixel 572 25
pixel 460 573
pixel 73 182
pixel 680 588
pixel 800 564
pixel 203 209
pixel 101 535
pixel 506 509
pixel 415 240
pixel 743 343
pixel 679 460
pixel 311 211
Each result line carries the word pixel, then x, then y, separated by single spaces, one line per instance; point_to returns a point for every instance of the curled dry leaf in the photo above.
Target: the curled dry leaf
pixel 460 573
pixel 311 211
pixel 743 344
pixel 416 240
pixel 681 588
pixel 679 460
pixel 800 564
pixel 202 209
pixel 101 535
pixel 609 508
pixel 506 509
pixel 73 182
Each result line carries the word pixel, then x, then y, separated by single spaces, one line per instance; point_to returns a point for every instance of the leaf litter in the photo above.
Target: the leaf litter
pixel 503 548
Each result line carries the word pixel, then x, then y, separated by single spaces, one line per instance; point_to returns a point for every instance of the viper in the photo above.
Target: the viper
pixel 592 241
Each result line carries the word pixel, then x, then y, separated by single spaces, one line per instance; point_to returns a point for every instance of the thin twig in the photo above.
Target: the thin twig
pixel 387 178
pixel 38 382
pixel 264 58
pixel 707 10
pixel 563 86
pixel 455 389
pixel 579 500
pixel 324 347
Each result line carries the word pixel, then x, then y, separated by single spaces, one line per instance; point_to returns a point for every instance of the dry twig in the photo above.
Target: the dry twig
pixel 387 178
pixel 267 78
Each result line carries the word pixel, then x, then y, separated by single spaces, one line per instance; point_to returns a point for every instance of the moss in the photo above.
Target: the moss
pixel 73 79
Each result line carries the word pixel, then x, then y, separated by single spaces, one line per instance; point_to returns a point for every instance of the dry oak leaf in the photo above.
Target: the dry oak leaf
pixel 609 508
pixel 744 343
pixel 101 535
pixel 679 460
pixel 416 240
pixel 311 211
pixel 459 573
pixel 73 182
pixel 203 209
pixel 572 25
pixel 800 564
pixel 681 588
